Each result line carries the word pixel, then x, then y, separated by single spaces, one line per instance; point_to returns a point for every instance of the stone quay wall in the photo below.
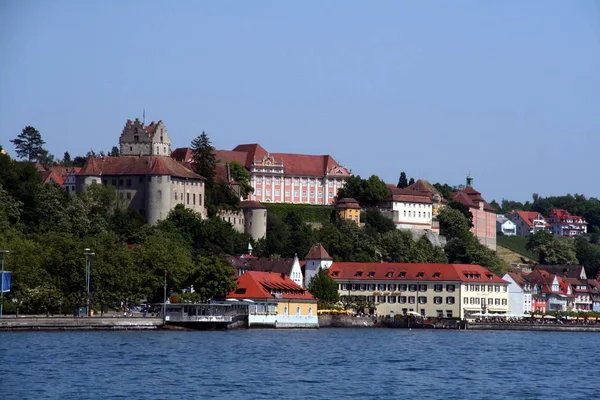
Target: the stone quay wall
pixel 76 324
pixel 345 321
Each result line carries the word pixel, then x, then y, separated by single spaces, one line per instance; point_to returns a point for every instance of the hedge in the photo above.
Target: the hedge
pixel 306 212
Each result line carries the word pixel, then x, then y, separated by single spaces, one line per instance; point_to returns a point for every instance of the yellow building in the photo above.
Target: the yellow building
pixel 349 209
pixel 276 301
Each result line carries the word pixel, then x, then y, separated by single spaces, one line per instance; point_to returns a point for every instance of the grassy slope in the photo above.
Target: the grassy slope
pixel 515 244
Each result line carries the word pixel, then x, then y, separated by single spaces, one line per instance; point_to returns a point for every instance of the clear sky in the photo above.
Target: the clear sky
pixel 509 90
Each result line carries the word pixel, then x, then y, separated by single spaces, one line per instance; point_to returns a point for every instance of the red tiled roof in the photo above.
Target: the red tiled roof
pixel 182 154
pixel 347 203
pixel 258 285
pixel 250 204
pixel 226 156
pixel 471 198
pixel 254 151
pixel 519 278
pixel 306 164
pixel 529 216
pixel 317 252
pixel 561 214
pixel 136 165
pixel 412 272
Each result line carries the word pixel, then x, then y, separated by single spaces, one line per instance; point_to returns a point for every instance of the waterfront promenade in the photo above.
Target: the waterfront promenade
pixel 42 323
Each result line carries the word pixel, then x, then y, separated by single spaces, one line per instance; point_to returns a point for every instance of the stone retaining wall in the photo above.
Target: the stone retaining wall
pixel 71 323
pixel 345 321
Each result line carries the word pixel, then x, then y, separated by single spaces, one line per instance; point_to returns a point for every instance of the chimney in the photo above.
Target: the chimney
pixel 282 275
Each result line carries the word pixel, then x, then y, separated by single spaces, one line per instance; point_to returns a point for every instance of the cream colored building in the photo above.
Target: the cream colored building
pixel 431 290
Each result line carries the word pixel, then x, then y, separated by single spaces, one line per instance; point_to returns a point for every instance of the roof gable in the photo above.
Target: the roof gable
pixel 317 252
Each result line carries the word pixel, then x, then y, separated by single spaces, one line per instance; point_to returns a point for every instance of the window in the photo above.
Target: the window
pixel 503 302
pixel 402 287
pixel 268 181
pixel 371 273
pixel 381 299
pixel 437 300
pixel 405 213
pixel 141 180
pixel 136 138
pixel 298 310
pixel 320 195
pixel 287 193
pixel 277 192
pixel 490 301
pixel 438 288
pixel 120 182
pixel 496 288
pixel 295 193
pixel 402 299
pixel 422 300
pixel 159 179
pixel 259 179
pixel 412 287
pixel 391 299
pixel 448 313
pixel 490 288
pixel 497 302
pixel 330 195
pixel 114 182
pixel 304 193
pixel 188 198
pixel 436 274
pixel 402 274
pixel 505 289
pixel 420 274
pixel 466 300
pixel 358 273
pixel 258 191
pixel 194 199
pixel 411 299
pixel 278 181
pixel 389 274
pixel 422 288
pixel 268 192
pixel 285 310
pixel 450 288
pixel 450 300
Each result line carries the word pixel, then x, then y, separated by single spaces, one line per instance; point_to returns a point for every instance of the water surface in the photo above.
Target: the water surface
pixel 299 364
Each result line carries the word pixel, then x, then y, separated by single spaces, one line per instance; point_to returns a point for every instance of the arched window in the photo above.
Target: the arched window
pixel 298 310
pixel 285 310
pixel 310 311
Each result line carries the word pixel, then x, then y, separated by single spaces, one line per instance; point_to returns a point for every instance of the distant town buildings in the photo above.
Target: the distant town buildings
pixel 505 226
pixel 563 224
pixel 348 209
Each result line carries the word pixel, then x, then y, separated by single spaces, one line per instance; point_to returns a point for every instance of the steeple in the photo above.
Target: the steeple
pixel 249 249
pixel 469 180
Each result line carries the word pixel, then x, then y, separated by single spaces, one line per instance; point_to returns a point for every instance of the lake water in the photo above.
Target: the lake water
pixel 300 364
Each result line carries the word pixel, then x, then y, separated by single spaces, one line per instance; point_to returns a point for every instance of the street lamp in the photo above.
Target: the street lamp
pixel 4 252
pixel 88 277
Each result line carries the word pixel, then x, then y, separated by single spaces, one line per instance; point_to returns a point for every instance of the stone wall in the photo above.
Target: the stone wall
pixel 345 321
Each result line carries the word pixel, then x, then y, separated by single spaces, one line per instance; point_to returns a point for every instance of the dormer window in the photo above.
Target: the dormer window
pixel 436 274
pixel 420 274
pixel 371 274
pixel 490 276
pixel 358 273
pixel 389 274
pixel 402 274
pixel 335 273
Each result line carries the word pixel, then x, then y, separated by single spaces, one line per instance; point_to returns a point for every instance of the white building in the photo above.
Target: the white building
pixel 409 209
pixel 316 259
pixel 562 223
pixel 528 222
pixel 519 294
pixel 505 225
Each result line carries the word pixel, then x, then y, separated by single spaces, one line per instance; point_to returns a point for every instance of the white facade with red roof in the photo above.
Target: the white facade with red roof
pixel 431 290
pixel 562 223
pixel 528 222
pixel 410 208
pixel 284 177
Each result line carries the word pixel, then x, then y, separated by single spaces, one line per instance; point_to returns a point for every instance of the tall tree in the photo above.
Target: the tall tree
pixel 402 182
pixel 204 158
pixel 412 180
pixel 324 288
pixel 240 174
pixel 67 162
pixel 29 144
pixel 114 152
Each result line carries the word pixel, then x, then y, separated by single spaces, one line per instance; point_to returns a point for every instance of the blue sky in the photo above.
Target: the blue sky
pixel 509 90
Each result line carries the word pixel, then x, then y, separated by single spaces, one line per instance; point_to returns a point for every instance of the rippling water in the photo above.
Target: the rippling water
pixel 300 364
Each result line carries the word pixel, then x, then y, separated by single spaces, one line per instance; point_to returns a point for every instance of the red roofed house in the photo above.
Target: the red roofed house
pixel 562 223
pixel 528 222
pixel 431 290
pixel 277 301
pixel 556 290
pixel 144 175
pixel 484 215
pixel 283 177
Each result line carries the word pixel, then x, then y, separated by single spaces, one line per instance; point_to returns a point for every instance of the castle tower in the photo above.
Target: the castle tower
pixel 158 192
pixel 316 259
pixel 138 139
pixel 90 173
pixel 255 219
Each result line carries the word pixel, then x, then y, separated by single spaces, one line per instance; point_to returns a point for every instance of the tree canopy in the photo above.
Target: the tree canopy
pixel 29 144
pixel 323 287
pixel 368 192
pixel 204 158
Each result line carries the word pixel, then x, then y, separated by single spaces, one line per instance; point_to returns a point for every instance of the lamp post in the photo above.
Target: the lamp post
pixel 165 299
pixel 4 252
pixel 88 277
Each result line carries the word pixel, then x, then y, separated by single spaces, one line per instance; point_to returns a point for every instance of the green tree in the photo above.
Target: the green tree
pixel 114 152
pixel 412 180
pixel 541 243
pixel 453 223
pixel 375 221
pixel 29 144
pixel 588 255
pixel 67 162
pixel 204 158
pixel 402 181
pixel 45 158
pixel 212 277
pixel 444 189
pixel 368 192
pixel 323 287
pixel 240 174
pixel 464 210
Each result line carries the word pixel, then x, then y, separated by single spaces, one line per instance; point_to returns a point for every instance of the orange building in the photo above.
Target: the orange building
pixel 349 209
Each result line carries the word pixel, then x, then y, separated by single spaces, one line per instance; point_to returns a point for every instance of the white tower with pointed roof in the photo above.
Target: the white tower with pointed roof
pixel 316 259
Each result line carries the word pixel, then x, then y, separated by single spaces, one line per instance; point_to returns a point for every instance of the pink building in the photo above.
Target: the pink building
pixel 484 215
pixel 283 177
